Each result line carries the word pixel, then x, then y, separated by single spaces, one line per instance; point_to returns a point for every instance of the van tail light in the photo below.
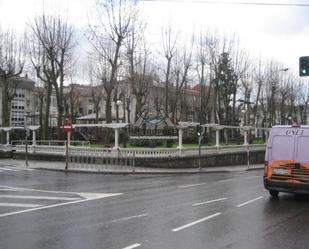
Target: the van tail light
pixel 265 168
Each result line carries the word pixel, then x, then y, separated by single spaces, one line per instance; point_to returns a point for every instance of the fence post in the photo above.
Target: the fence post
pixel 133 163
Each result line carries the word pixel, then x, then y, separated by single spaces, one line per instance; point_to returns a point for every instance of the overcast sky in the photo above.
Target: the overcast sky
pixel 272 32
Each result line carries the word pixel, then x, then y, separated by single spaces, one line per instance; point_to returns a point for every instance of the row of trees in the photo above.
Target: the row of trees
pixel 119 50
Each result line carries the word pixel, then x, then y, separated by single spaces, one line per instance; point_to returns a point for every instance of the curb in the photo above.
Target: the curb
pixel 109 172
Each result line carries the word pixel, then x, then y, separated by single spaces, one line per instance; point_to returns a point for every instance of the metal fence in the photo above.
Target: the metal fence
pixel 101 159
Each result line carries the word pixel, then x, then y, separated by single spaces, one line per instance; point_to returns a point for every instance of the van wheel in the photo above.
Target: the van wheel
pixel 274 193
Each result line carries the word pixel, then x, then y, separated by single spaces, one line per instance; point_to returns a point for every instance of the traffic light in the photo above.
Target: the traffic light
pixel 199 130
pixel 304 66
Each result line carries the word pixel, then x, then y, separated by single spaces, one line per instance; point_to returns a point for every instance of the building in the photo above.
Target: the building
pixel 22 102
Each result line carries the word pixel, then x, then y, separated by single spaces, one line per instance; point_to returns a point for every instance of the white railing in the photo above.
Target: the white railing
pixel 52 143
pixel 138 152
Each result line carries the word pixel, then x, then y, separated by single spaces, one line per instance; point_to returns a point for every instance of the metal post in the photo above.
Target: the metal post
pixel 26 156
pixel 248 156
pixel 133 161
pixel 67 152
pixel 8 138
pixel 199 154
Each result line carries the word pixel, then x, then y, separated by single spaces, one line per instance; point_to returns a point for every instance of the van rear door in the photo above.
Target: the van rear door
pixel 280 145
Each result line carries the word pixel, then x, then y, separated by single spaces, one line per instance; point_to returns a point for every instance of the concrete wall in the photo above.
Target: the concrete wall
pixel 228 159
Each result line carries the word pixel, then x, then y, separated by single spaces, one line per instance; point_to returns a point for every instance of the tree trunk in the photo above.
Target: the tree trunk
pixel 108 109
pixel 47 107
pixel 6 105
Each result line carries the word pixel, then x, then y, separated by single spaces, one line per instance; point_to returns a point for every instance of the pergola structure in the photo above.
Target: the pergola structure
pixel 181 126
pixel 184 125
pixel 32 128
pixel 115 126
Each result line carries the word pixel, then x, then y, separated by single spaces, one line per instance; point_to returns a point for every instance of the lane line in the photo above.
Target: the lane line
pixel 10 169
pixel 129 218
pixel 207 202
pixel 195 222
pixel 18 168
pixel 192 185
pixel 57 205
pixel 132 246
pixel 39 197
pixel 118 220
pixel 3 204
pixel 85 195
pixel 248 202
pixel 227 180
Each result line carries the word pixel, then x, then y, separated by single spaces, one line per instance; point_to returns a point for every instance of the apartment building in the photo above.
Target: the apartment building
pixel 22 102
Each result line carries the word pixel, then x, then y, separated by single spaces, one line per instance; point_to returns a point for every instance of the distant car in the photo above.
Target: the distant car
pixel 286 167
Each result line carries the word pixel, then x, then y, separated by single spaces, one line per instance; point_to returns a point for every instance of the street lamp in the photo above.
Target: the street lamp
pixel 118 103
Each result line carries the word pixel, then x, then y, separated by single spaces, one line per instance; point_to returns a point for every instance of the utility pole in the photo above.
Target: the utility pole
pixel 27 133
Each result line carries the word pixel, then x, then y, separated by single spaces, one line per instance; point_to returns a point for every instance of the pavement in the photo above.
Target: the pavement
pixel 115 169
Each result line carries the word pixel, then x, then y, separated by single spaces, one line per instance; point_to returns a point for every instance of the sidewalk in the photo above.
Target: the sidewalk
pixel 112 169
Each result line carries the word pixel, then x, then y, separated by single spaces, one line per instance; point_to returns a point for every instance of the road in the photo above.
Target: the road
pixel 49 209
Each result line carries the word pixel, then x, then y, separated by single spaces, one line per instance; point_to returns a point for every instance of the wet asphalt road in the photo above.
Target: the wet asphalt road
pixel 45 209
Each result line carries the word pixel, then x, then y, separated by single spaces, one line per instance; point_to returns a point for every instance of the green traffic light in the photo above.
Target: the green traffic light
pixel 304 66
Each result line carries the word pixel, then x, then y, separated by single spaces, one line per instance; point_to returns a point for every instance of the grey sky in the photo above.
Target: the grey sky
pixel 273 32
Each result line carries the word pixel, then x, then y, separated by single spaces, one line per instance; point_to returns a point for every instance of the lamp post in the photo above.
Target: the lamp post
pixel 118 103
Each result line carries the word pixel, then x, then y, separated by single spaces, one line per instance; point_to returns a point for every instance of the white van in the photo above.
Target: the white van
pixel 286 167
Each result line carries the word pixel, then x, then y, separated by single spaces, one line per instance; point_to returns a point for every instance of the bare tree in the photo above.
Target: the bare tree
pixel 56 38
pixel 260 76
pixel 304 101
pixel 169 41
pixel 98 77
pixel 12 63
pixel 39 61
pixel 72 101
pixel 115 19
pixel 140 70
pixel 181 69
pixel 202 62
pixel 240 64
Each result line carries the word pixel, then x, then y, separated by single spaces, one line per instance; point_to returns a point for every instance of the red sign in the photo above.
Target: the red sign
pixel 67 126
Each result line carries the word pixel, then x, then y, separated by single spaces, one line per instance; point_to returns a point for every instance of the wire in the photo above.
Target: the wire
pixel 232 3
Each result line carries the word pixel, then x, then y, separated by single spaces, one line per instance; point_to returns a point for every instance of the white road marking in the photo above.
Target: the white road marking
pixel 19 205
pixel 84 195
pixel 195 222
pixel 129 218
pixel 192 185
pixel 39 197
pixel 207 202
pixel 119 220
pixel 8 169
pixel 132 246
pixel 248 202
pixel 8 189
pixel 57 205
pixel 18 168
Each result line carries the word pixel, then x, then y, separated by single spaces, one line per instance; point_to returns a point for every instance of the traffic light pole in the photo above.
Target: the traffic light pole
pixel 199 152
pixel 26 156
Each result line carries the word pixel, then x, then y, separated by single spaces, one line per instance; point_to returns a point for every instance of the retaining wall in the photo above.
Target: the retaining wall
pixel 212 160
